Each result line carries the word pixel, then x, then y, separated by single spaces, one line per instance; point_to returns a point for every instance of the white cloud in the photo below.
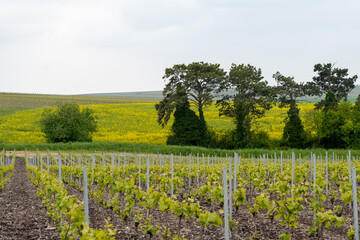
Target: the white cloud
pixel 107 46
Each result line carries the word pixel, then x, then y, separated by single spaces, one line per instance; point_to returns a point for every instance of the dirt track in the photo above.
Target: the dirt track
pixel 22 215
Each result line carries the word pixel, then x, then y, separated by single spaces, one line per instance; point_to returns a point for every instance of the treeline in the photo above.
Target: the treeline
pixel 245 96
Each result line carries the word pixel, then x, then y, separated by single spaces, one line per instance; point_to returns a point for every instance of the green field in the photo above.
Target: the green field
pixel 134 122
pixel 23 101
pixel 120 119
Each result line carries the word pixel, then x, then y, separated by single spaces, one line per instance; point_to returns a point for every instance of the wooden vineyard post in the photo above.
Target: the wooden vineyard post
pixel 349 163
pixel 60 182
pixel 93 167
pixel 355 203
pixel 119 160
pixel 48 162
pixel 203 165
pixel 314 175
pixel 112 161
pixel 59 169
pixel 197 171
pixel 147 173
pixel 281 162
pixel 41 163
pixel 230 188
pixel 292 174
pixel 275 163
pixel 139 159
pixel 147 181
pixel 226 208
pixel 71 164
pixel 86 200
pixel 79 163
pixel 160 159
pixel 235 170
pixel 189 171
pixel 327 181
pixel 311 164
pixel 172 174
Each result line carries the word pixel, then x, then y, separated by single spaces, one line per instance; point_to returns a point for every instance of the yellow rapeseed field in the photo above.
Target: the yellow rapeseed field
pixel 132 122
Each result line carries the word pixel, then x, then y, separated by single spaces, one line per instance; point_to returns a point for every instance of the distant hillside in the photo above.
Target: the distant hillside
pixel 147 94
pixel 158 95
pixel 351 97
pixel 355 93
pixel 23 100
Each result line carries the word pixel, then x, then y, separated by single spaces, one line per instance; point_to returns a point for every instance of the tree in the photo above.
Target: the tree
pixel 294 133
pixel 186 128
pixel 334 130
pixel 287 91
pixel 199 80
pixel 351 128
pixel 67 123
pixel 331 80
pixel 335 127
pixel 356 123
pixel 250 98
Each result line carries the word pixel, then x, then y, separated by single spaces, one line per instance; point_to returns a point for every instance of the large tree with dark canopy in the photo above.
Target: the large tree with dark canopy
pixel 245 96
pixel 186 128
pixel 199 80
pixel 332 82
pixel 287 92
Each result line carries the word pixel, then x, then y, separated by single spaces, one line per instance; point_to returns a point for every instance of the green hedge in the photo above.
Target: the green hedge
pixel 148 148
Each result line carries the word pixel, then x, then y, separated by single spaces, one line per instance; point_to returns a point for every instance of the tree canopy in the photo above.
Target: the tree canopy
pixel 251 98
pixel 294 133
pixel 245 96
pixel 199 80
pixel 331 80
pixel 187 127
pixel 287 91
pixel 67 123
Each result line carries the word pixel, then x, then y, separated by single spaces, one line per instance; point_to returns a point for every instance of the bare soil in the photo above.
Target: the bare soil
pixel 22 214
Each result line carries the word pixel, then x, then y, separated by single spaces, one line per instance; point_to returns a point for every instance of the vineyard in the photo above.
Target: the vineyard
pixel 136 196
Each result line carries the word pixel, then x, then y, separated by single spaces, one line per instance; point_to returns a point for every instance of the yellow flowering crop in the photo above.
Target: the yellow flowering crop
pixel 132 122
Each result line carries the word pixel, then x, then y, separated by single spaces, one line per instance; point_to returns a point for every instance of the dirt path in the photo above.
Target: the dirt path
pixel 22 215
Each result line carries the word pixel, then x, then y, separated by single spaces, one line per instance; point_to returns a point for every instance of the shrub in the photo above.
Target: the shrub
pixel 260 139
pixel 67 123
pixel 223 139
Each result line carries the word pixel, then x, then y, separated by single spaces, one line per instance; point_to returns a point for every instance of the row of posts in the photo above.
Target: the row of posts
pixel 227 187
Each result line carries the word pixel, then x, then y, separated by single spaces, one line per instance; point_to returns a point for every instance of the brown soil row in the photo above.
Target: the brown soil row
pixel 22 214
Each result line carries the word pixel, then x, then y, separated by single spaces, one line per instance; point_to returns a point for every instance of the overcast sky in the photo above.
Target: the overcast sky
pixel 73 47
